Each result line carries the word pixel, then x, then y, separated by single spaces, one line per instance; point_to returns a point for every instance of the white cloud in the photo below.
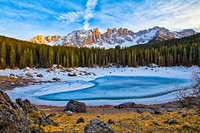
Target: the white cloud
pixel 172 14
pixel 77 16
pixel 71 17
pixel 89 12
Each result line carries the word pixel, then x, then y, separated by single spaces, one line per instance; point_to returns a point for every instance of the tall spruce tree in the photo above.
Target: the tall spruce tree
pixel 3 56
pixel 12 57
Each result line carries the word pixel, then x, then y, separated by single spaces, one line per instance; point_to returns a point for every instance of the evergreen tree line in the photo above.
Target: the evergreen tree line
pixel 176 52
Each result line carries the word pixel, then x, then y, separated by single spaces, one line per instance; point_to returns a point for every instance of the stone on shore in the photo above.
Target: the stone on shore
pixel 97 126
pixel 126 105
pixel 80 120
pixel 75 106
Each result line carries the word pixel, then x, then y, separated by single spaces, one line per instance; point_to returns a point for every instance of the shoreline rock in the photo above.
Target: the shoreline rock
pixel 21 116
pixel 126 105
pixel 97 126
pixel 75 106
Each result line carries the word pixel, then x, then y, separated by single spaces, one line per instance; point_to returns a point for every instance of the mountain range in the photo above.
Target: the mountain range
pixel 112 37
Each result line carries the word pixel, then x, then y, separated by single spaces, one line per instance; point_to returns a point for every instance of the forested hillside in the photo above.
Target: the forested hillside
pixel 176 52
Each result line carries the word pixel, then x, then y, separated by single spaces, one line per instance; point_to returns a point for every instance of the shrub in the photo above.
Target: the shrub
pixel 189 97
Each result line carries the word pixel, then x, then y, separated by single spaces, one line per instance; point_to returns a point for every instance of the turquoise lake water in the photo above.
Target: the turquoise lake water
pixel 116 88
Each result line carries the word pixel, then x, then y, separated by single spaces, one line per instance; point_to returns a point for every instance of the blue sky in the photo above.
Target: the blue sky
pixel 23 19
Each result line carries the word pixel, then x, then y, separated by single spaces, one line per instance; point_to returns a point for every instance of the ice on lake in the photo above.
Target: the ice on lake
pixel 104 90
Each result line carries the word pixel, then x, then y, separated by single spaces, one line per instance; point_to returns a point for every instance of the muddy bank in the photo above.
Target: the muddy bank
pixel 9 82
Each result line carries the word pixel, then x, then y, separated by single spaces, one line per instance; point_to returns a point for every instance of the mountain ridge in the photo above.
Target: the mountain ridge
pixel 112 37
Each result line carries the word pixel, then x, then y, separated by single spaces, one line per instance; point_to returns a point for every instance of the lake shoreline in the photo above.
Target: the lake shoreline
pixel 109 109
pixel 41 76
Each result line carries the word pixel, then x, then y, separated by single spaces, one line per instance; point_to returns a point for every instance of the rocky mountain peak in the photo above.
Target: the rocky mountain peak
pixel 109 32
pixel 40 39
pixel 97 31
pixel 52 38
pixel 119 32
pixel 163 34
pixel 112 37
pixel 183 33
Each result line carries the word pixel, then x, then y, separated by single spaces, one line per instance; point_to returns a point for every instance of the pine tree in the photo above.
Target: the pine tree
pixel 135 60
pixel 31 63
pixel 3 56
pixel 82 59
pixel 184 57
pixel 25 59
pixel 12 57
pixel 50 57
pixel 91 58
pixel 64 61
pixel 57 59
pixel 18 55
pixel 190 57
pixel 72 58
pixel 129 59
pixel 198 55
pixel 67 59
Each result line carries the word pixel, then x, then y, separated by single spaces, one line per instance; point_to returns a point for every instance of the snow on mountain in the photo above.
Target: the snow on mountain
pixel 184 33
pixel 112 37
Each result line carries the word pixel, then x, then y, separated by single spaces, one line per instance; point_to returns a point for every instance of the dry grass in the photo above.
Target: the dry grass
pixel 9 79
pixel 131 122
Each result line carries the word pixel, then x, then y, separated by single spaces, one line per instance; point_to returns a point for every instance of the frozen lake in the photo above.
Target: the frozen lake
pixel 104 90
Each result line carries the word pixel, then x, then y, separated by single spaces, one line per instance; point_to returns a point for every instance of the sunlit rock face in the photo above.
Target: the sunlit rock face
pixel 40 39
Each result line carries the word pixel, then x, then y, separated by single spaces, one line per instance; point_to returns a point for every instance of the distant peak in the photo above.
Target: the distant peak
pixel 158 28
pixel 189 30
pixel 184 33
